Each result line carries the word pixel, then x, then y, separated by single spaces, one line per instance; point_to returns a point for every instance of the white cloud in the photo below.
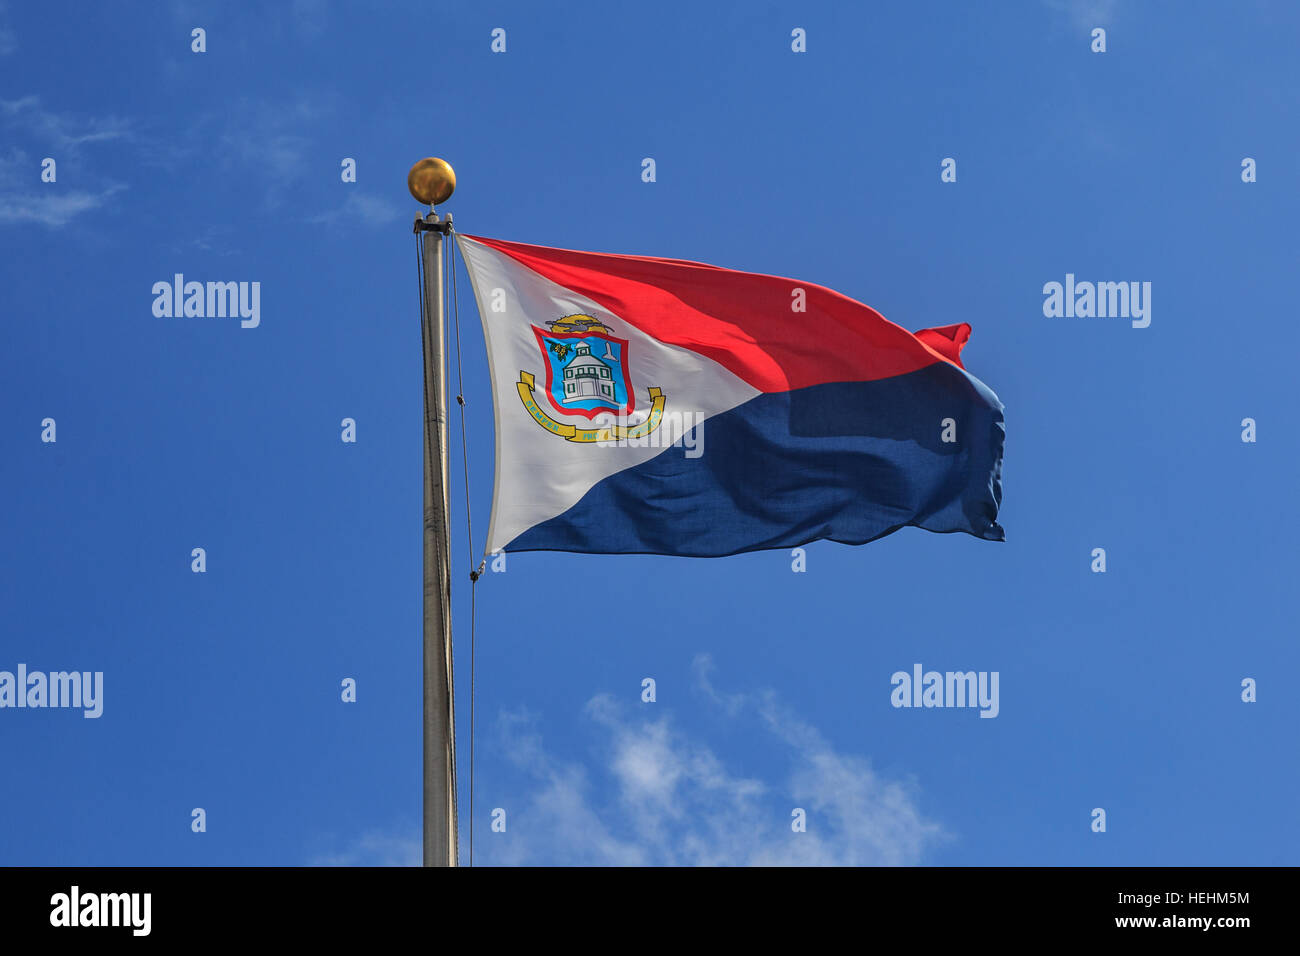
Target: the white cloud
pixel 64 131
pixel 267 143
pixel 212 238
pixel 23 199
pixel 263 145
pixel 359 209
pixel 1086 14
pixel 375 849
pixel 53 209
pixel 665 798
pixel 310 17
pixel 659 796
pixel 8 41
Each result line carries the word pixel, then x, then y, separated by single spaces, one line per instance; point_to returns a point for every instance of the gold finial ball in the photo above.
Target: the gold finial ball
pixel 431 181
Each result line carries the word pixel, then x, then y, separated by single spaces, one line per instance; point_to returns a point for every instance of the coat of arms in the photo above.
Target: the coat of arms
pixel 587 377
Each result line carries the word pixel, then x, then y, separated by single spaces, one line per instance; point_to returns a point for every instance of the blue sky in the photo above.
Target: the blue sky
pixel 221 690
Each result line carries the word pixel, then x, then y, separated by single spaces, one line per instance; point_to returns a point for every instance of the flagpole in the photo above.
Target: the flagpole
pixel 432 181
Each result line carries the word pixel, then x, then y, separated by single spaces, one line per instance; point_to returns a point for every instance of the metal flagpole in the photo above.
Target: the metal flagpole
pixel 432 181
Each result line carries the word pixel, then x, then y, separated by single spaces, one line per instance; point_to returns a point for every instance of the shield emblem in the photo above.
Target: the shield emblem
pixel 586 368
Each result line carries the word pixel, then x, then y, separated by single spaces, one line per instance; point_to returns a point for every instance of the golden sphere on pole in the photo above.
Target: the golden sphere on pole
pixel 431 181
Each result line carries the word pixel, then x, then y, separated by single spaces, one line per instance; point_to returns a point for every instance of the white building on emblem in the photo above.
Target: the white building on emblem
pixel 587 378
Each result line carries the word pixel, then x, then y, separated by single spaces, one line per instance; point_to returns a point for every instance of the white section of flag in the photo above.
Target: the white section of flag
pixel 540 475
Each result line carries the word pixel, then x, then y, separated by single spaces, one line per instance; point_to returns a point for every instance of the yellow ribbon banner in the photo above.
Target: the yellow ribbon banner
pixel 602 433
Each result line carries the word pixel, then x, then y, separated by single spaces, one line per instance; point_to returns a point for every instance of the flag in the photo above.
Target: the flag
pixel 659 406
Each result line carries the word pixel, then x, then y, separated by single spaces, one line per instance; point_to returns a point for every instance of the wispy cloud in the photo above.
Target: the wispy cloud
pixel 61 130
pixel 375 848
pixel 359 208
pixel 268 139
pixel 49 210
pixel 8 40
pixel 310 17
pixel 662 797
pixel 1086 14
pixel 23 199
pixel 215 239
pixel 659 796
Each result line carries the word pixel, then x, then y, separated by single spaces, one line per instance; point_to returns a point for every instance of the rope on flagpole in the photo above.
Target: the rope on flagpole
pixel 469 527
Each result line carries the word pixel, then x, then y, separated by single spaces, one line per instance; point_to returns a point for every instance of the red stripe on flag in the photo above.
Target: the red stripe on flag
pixel 744 321
pixel 947 340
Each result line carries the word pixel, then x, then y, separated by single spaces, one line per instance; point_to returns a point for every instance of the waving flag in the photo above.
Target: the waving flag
pixel 659 406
